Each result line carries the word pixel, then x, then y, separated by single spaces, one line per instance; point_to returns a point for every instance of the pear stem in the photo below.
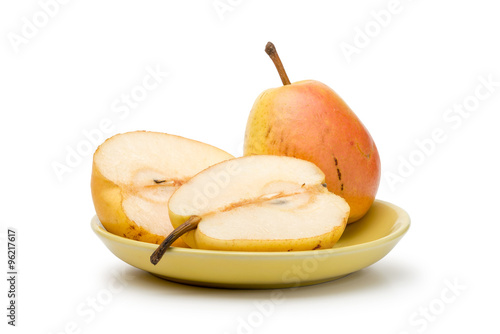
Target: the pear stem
pixel 188 225
pixel 273 54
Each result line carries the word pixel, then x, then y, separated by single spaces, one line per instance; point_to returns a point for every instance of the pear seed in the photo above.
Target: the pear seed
pixel 268 196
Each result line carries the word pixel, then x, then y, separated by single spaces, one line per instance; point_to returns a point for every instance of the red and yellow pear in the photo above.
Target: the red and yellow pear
pixel 308 120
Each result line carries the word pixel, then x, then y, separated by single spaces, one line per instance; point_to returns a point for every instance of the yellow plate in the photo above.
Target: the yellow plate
pixel 362 244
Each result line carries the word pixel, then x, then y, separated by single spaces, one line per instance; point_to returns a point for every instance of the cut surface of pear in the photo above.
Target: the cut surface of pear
pixel 135 173
pixel 260 203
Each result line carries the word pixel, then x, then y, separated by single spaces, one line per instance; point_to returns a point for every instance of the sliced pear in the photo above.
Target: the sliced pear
pixel 257 203
pixel 135 173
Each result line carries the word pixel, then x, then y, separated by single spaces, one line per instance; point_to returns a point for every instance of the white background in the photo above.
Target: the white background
pixel 67 76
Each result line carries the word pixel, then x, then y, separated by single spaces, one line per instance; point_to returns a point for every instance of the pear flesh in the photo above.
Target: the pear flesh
pixel 260 203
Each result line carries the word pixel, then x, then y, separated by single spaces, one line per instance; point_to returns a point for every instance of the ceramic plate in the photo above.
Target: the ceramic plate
pixel 362 244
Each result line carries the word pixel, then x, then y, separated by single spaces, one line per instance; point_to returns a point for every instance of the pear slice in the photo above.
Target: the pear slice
pixel 257 203
pixel 135 173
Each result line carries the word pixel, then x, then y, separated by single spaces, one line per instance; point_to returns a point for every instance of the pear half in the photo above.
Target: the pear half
pixel 257 203
pixel 135 173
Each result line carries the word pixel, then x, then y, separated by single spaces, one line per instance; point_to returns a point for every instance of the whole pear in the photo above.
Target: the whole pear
pixel 308 120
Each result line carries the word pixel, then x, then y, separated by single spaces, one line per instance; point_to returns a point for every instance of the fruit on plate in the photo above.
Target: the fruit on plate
pixel 308 120
pixel 256 203
pixel 135 173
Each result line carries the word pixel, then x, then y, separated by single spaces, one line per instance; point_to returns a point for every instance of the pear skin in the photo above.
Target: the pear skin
pixel 107 198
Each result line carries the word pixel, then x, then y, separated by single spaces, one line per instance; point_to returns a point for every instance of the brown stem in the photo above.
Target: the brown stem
pixel 188 225
pixel 271 51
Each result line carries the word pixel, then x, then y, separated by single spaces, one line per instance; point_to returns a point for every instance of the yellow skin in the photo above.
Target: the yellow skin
pixel 196 239
pixel 308 120
pixel 108 197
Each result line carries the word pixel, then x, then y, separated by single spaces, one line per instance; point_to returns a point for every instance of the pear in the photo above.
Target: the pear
pixel 308 120
pixel 135 173
pixel 256 203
